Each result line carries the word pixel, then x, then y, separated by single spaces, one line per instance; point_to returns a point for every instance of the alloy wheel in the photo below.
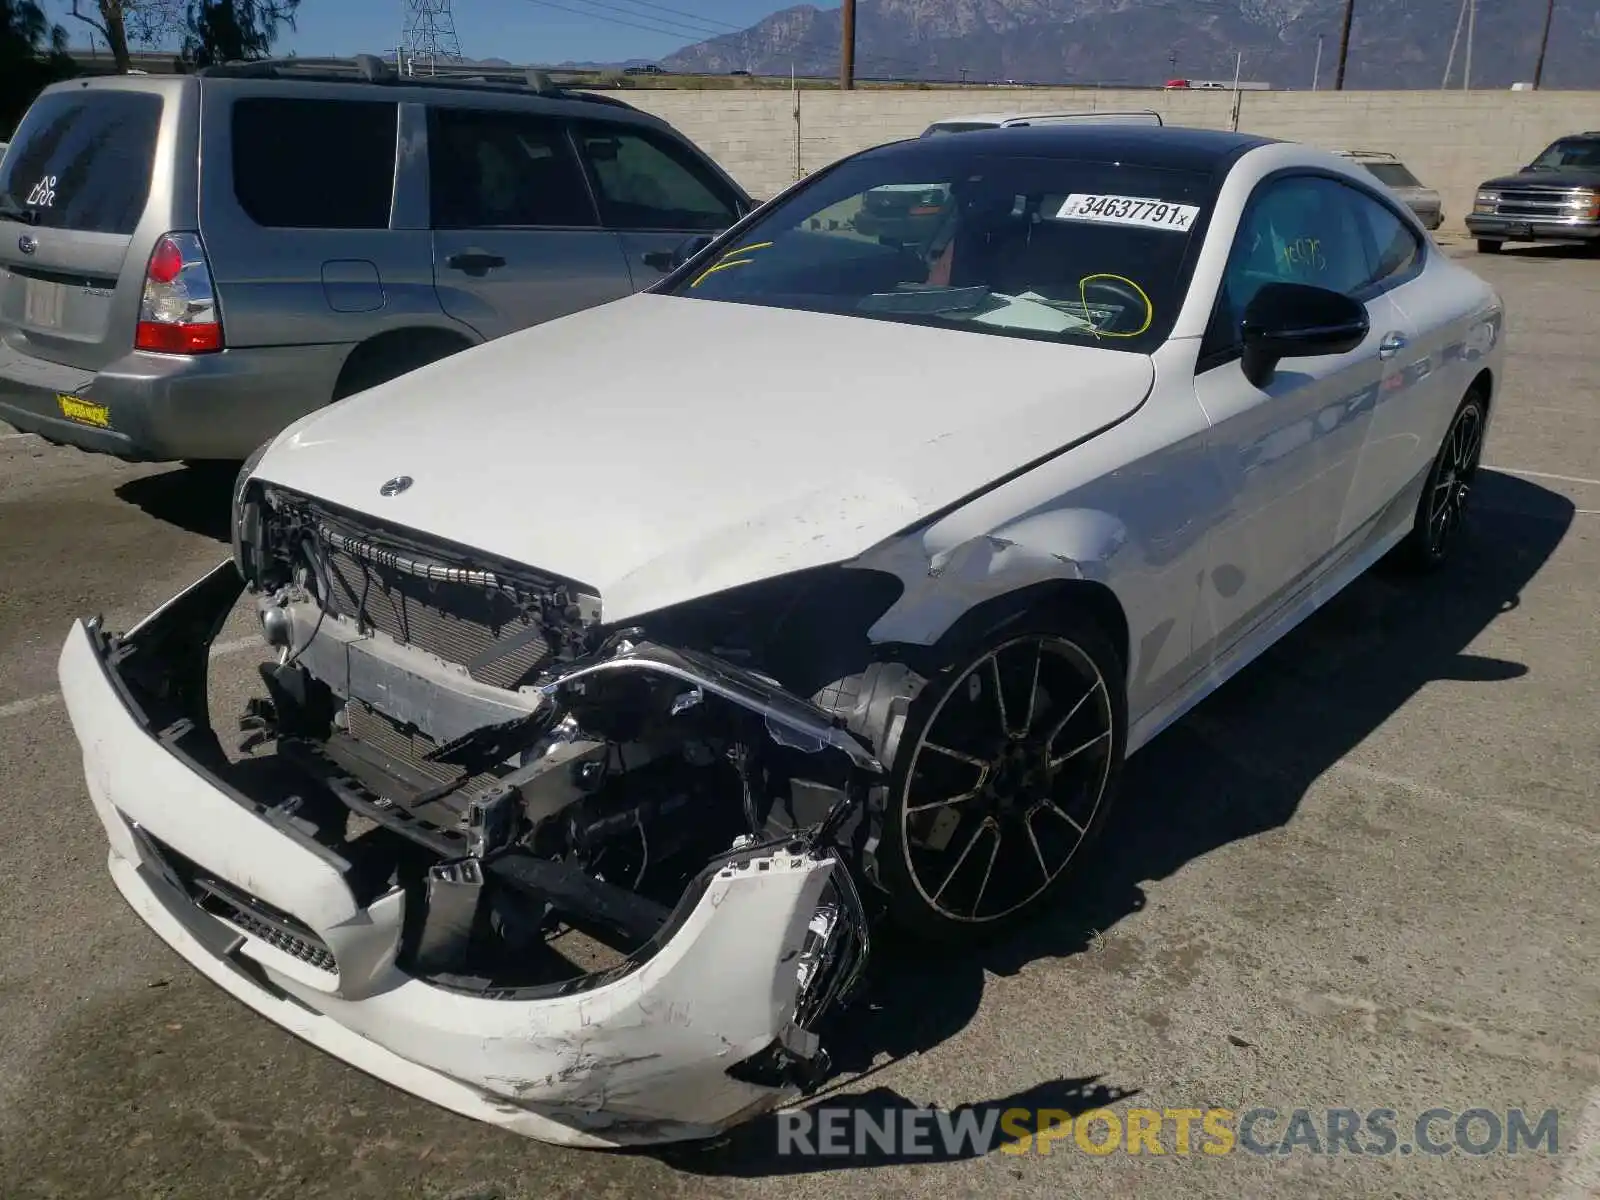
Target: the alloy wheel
pixel 1007 778
pixel 1452 483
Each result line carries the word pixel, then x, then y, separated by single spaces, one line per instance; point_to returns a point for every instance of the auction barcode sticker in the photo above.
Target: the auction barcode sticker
pixel 1128 210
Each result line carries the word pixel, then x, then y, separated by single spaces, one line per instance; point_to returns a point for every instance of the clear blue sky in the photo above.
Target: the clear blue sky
pixel 518 30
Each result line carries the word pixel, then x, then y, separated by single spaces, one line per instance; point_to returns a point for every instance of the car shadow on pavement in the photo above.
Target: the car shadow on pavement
pixel 1236 767
pixel 1553 250
pixel 195 497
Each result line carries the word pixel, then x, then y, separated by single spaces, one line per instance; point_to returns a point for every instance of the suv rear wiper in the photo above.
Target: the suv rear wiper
pixel 28 216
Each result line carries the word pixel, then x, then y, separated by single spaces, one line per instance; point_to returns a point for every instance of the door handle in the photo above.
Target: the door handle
pixel 1391 345
pixel 474 262
pixel 661 260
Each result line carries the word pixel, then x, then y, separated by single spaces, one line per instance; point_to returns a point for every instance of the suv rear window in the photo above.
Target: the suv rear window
pixel 83 159
pixel 1391 174
pixel 314 164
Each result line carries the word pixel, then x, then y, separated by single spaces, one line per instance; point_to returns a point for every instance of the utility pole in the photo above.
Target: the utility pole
pixel 1344 43
pixel 1472 22
pixel 847 48
pixel 1544 43
pixel 1449 63
pixel 1238 69
pixel 1316 70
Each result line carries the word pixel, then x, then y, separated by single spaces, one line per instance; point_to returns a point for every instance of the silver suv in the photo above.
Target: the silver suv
pixel 188 264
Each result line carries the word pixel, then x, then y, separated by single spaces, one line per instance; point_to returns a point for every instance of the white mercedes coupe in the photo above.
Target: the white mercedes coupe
pixel 629 674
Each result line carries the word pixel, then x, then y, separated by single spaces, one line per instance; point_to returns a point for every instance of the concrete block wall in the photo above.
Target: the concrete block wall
pixel 1452 140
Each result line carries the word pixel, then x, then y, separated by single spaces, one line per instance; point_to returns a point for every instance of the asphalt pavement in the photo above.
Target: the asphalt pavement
pixel 1363 876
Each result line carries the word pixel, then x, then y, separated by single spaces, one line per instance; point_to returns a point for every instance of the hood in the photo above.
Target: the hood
pixel 659 448
pixel 1561 177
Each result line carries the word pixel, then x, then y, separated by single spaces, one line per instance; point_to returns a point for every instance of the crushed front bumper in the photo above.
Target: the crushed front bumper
pixel 637 1056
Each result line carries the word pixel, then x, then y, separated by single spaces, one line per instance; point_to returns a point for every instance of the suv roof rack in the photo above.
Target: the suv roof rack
pixel 369 68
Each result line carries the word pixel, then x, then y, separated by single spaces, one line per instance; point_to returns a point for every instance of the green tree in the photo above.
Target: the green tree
pixel 125 22
pixel 234 30
pixel 33 53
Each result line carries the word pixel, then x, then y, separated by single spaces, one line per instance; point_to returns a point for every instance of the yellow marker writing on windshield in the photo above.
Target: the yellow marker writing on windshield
pixel 721 265
pixel 1149 309
pixel 728 260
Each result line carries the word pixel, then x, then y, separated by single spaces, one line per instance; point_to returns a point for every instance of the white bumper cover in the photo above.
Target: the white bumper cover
pixel 641 1058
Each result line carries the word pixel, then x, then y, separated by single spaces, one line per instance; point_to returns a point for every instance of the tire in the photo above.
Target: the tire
pixel 978 835
pixel 1489 246
pixel 1441 509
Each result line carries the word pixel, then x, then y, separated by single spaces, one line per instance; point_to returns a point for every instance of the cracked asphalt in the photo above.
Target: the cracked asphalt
pixel 1363 875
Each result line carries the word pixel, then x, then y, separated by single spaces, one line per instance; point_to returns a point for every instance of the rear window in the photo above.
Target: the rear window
pixel 314 164
pixel 82 160
pixel 1391 174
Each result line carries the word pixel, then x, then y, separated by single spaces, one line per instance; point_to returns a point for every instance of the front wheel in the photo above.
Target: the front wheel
pixel 1489 246
pixel 1003 776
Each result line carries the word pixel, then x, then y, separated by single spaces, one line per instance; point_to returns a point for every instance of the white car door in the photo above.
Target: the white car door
pixel 1288 451
pixel 1403 435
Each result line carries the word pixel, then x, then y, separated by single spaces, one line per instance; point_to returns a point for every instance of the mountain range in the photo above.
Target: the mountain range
pixel 1394 43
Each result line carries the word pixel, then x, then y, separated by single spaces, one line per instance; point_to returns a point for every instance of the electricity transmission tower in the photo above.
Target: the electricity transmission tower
pixel 429 35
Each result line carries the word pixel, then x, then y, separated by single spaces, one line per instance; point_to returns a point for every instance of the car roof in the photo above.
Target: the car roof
pixel 368 71
pixel 998 118
pixel 1168 147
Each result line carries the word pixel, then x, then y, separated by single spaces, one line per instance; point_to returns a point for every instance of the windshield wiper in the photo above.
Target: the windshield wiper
pixel 928 300
pixel 28 216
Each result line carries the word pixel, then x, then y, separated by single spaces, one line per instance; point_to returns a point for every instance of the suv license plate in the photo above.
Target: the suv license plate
pixel 43 304
pixel 1521 231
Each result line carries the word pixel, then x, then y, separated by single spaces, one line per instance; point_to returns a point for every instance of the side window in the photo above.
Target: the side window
pixel 649 182
pixel 1300 229
pixel 314 164
pixel 491 169
pixel 1398 248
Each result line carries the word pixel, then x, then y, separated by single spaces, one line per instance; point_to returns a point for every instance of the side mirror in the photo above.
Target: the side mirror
pixel 667 261
pixel 1297 320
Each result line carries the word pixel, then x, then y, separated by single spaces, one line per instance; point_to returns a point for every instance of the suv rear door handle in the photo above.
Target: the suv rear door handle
pixel 474 262
pixel 1391 345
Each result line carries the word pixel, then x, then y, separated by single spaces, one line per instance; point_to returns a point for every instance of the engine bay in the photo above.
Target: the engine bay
pixel 551 793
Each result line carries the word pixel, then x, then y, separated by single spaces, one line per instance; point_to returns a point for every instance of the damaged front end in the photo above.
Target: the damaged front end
pixel 596 885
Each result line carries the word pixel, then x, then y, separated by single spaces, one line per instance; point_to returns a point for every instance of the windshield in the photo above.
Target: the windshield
pixel 1392 175
pixel 1053 249
pixel 1569 152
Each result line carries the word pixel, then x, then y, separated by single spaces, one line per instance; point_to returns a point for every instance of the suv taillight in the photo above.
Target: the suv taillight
pixel 178 311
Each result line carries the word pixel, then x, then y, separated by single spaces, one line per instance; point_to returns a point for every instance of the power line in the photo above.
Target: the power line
pixel 699 30
pixel 594 16
pixel 679 12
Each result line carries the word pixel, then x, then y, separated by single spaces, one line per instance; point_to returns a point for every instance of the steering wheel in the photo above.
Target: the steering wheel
pixel 1114 291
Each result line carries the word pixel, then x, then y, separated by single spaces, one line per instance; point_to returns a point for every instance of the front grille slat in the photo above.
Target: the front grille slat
pixel 1541 204
pixel 253 916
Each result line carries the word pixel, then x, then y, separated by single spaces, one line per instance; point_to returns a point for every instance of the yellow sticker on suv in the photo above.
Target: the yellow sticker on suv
pixel 84 412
